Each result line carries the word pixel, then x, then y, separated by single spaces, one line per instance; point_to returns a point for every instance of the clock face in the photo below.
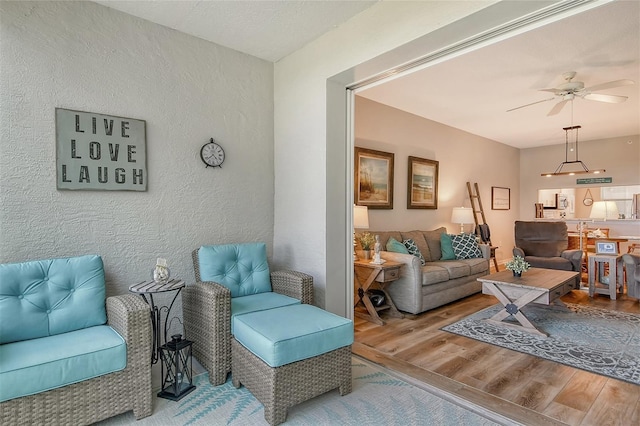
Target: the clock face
pixel 212 154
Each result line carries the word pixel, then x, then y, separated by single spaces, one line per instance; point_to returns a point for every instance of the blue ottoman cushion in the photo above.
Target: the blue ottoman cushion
pixel 292 333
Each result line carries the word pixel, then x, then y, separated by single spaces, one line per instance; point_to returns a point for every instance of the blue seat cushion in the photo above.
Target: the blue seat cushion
pixel 37 365
pixel 292 333
pixel 259 302
pixel 45 297
pixel 242 268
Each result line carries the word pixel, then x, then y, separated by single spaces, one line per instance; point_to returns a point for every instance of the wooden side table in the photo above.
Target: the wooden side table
pixel 372 276
pixel 616 274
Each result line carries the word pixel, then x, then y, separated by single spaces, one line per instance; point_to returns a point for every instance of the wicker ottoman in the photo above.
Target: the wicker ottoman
pixel 288 355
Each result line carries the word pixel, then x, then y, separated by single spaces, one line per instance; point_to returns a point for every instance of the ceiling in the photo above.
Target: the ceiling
pixel 474 91
pixel 471 92
pixel 265 29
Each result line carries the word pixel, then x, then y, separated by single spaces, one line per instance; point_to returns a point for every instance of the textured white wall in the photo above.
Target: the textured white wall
pixel 301 210
pixel 83 56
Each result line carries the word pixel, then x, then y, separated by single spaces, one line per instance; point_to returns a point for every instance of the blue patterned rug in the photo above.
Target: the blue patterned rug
pixel 592 339
pixel 377 398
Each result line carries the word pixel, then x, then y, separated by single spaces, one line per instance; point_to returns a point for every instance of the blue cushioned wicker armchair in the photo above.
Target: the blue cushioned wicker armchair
pixel 65 357
pixel 233 279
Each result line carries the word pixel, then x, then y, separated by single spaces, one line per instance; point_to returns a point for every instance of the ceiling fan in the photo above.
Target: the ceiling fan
pixel 569 90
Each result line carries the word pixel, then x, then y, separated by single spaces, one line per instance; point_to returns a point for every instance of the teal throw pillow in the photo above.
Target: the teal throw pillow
pixel 413 249
pixel 465 246
pixel 396 246
pixel 447 247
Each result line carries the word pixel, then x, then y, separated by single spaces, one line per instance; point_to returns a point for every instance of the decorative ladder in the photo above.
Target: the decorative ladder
pixel 473 197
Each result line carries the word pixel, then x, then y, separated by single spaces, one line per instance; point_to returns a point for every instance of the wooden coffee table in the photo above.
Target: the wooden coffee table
pixel 537 285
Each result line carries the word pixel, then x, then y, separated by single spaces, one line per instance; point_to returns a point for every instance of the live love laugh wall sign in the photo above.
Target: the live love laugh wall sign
pixel 100 152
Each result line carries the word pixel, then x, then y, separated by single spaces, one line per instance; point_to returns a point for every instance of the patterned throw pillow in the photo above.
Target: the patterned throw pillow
pixel 447 247
pixel 396 246
pixel 465 246
pixel 413 249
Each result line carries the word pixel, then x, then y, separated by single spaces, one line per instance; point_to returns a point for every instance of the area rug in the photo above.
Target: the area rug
pixel 377 398
pixel 592 339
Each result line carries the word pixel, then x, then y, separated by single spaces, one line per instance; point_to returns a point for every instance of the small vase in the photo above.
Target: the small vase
pixel 367 254
pixel 517 274
pixel 161 274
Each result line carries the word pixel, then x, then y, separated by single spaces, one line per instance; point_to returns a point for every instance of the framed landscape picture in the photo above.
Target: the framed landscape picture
pixel 422 184
pixel 500 198
pixel 373 178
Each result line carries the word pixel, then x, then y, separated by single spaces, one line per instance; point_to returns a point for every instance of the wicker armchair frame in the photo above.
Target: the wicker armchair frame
pixel 105 396
pixel 206 309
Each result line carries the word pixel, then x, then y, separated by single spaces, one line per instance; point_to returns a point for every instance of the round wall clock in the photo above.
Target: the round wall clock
pixel 212 154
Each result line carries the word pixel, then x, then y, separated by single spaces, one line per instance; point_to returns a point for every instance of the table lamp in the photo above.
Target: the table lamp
pixel 604 210
pixel 462 215
pixel 360 221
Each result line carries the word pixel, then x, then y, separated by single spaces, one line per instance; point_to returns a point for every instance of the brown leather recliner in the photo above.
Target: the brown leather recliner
pixel 544 245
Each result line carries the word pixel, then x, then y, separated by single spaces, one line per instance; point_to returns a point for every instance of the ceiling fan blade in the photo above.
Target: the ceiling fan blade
pixel 532 103
pixel 612 99
pixel 558 107
pixel 610 85
pixel 548 90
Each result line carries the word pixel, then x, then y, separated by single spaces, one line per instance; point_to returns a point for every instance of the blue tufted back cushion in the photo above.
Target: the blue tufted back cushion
pixel 242 268
pixel 46 297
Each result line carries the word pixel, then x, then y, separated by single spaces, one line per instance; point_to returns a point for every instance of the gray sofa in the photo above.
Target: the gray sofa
pixel 438 282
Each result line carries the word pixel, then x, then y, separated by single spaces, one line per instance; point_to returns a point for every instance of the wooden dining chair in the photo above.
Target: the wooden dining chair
pixel 634 248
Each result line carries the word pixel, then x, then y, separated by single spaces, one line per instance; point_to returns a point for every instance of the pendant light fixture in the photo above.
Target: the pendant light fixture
pixel 559 170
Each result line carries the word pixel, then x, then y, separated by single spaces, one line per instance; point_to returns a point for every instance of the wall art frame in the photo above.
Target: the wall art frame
pixel 422 183
pixel 500 198
pixel 100 152
pixel 373 178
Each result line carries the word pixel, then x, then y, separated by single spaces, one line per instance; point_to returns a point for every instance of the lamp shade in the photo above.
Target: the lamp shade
pixel 604 210
pixel 360 217
pixel 462 215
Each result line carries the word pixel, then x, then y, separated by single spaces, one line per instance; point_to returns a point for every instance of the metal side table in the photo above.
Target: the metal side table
pixel 150 288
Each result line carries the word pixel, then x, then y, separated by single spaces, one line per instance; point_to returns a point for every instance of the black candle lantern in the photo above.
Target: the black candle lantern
pixel 177 381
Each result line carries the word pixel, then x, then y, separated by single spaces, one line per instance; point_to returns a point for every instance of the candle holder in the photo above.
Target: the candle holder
pixel 177 381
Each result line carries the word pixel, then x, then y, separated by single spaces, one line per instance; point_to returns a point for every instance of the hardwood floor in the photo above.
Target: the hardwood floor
pixel 524 388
